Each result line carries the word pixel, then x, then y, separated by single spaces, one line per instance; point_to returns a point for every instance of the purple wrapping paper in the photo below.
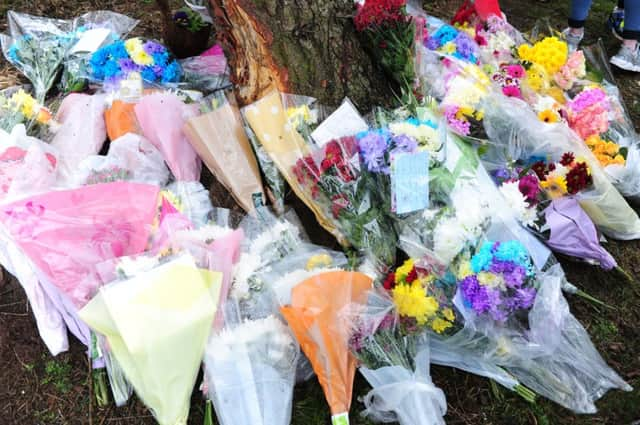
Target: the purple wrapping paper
pixel 573 233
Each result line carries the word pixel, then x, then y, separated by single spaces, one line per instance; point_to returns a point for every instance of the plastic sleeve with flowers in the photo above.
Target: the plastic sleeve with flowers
pixel 390 35
pixel 393 357
pixel 516 134
pixel 94 30
pixel 17 106
pixel 537 339
pixel 268 239
pixel 251 368
pixel 268 119
pixel 36 46
pixel 333 179
pixel 219 139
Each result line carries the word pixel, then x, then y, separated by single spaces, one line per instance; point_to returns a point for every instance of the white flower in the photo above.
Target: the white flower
pixel 425 135
pixel 449 239
pixel 283 286
pixel 518 203
pixel 246 267
pixel 471 211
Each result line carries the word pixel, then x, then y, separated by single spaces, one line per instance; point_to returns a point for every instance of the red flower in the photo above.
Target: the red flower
pixel 380 12
pixel 578 178
pixel 567 159
pixel 413 275
pixel 390 282
pixel 540 169
pixel 551 167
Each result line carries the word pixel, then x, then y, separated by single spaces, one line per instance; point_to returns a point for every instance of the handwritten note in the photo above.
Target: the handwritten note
pixel 410 182
pixel 345 121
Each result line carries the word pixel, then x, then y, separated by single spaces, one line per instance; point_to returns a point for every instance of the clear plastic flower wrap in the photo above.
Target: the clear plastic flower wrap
pixel 130 158
pixel 28 165
pixel 37 46
pixel 206 73
pixel 268 239
pixel 251 369
pixel 217 135
pixel 516 133
pixel 93 30
pixel 394 358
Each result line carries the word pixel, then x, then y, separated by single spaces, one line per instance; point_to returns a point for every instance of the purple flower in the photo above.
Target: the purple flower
pixel 432 43
pixel 480 298
pixel 404 143
pixel 502 175
pixel 373 146
pixel 465 46
pixel 127 66
pixel 457 125
pixel 525 297
pixel 151 47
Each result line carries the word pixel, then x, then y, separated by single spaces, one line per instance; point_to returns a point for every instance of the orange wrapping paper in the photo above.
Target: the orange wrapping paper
pixel 314 317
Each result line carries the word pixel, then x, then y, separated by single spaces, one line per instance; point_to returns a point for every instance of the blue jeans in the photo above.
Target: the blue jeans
pixel 580 11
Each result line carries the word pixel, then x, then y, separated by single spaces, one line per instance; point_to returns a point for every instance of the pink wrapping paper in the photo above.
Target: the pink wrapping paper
pixel 66 234
pixel 161 117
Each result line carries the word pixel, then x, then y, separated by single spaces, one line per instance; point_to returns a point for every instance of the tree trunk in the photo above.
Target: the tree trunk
pixel 300 46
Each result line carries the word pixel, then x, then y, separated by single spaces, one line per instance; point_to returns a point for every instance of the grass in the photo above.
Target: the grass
pixel 58 374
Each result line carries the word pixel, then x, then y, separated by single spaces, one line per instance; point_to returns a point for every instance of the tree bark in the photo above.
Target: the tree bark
pixel 306 47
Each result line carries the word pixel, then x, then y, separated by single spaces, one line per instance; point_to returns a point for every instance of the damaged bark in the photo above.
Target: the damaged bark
pixel 300 46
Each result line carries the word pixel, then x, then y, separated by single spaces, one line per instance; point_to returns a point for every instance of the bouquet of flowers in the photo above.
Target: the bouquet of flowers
pixel 150 59
pixel 19 107
pixel 388 339
pixel 332 177
pixel 219 139
pixel 454 42
pixel 251 368
pixel 390 35
pixel 525 315
pixel 268 239
pixel 312 309
pixel 157 331
pixel 516 134
pixel 93 31
pixel 37 46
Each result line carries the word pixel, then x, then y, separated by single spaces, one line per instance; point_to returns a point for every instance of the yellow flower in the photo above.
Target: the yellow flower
pixel 320 260
pixel 479 115
pixel 548 116
pixel 411 301
pixel 555 185
pixel 440 325
pixel 299 114
pixel 523 51
pixel 464 270
pixel 491 280
pixel 25 103
pixel 403 271
pixel 448 314
pixel 449 48
pixel 133 45
pixel 142 58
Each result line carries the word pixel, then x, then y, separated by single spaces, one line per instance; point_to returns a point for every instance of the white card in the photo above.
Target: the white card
pixel 91 40
pixel 345 121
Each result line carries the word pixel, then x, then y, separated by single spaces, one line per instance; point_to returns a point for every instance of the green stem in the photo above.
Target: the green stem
pixel 100 387
pixel 208 414
pixel 624 273
pixel 594 300
pixel 525 393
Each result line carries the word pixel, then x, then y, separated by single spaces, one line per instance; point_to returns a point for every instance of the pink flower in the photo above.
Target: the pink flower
pixel 515 71
pixel 512 91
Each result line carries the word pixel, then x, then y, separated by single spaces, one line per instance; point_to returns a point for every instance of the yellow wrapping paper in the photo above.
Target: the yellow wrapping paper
pixel 157 324
pixel 268 120
pixel 219 139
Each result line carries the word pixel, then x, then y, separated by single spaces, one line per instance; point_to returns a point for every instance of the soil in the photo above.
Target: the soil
pixel 36 388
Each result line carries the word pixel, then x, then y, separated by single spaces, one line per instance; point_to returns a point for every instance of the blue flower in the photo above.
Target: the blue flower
pixel 111 69
pixel 515 252
pixel 100 57
pixel 148 74
pixel 483 258
pixel 161 58
pixel 117 50
pixel 373 146
pixel 171 73
pixel 445 34
pixel 13 53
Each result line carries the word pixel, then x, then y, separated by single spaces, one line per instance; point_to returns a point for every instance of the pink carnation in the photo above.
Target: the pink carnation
pixel 511 91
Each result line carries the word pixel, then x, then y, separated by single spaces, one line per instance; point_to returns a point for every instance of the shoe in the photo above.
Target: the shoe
pixel 627 59
pixel 616 22
pixel 573 41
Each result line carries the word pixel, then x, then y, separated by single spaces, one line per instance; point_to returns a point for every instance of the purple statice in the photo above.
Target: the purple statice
pixel 404 144
pixel 152 48
pixel 373 146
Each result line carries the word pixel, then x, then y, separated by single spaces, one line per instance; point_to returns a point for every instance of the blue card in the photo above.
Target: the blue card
pixel 409 182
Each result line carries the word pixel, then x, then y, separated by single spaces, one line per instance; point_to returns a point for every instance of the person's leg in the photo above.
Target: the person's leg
pixel 578 13
pixel 616 20
pixel 629 55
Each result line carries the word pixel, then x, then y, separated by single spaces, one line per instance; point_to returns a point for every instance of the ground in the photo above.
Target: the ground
pixel 36 388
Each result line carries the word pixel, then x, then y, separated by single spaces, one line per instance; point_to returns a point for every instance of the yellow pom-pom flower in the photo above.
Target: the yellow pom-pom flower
pixel 412 301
